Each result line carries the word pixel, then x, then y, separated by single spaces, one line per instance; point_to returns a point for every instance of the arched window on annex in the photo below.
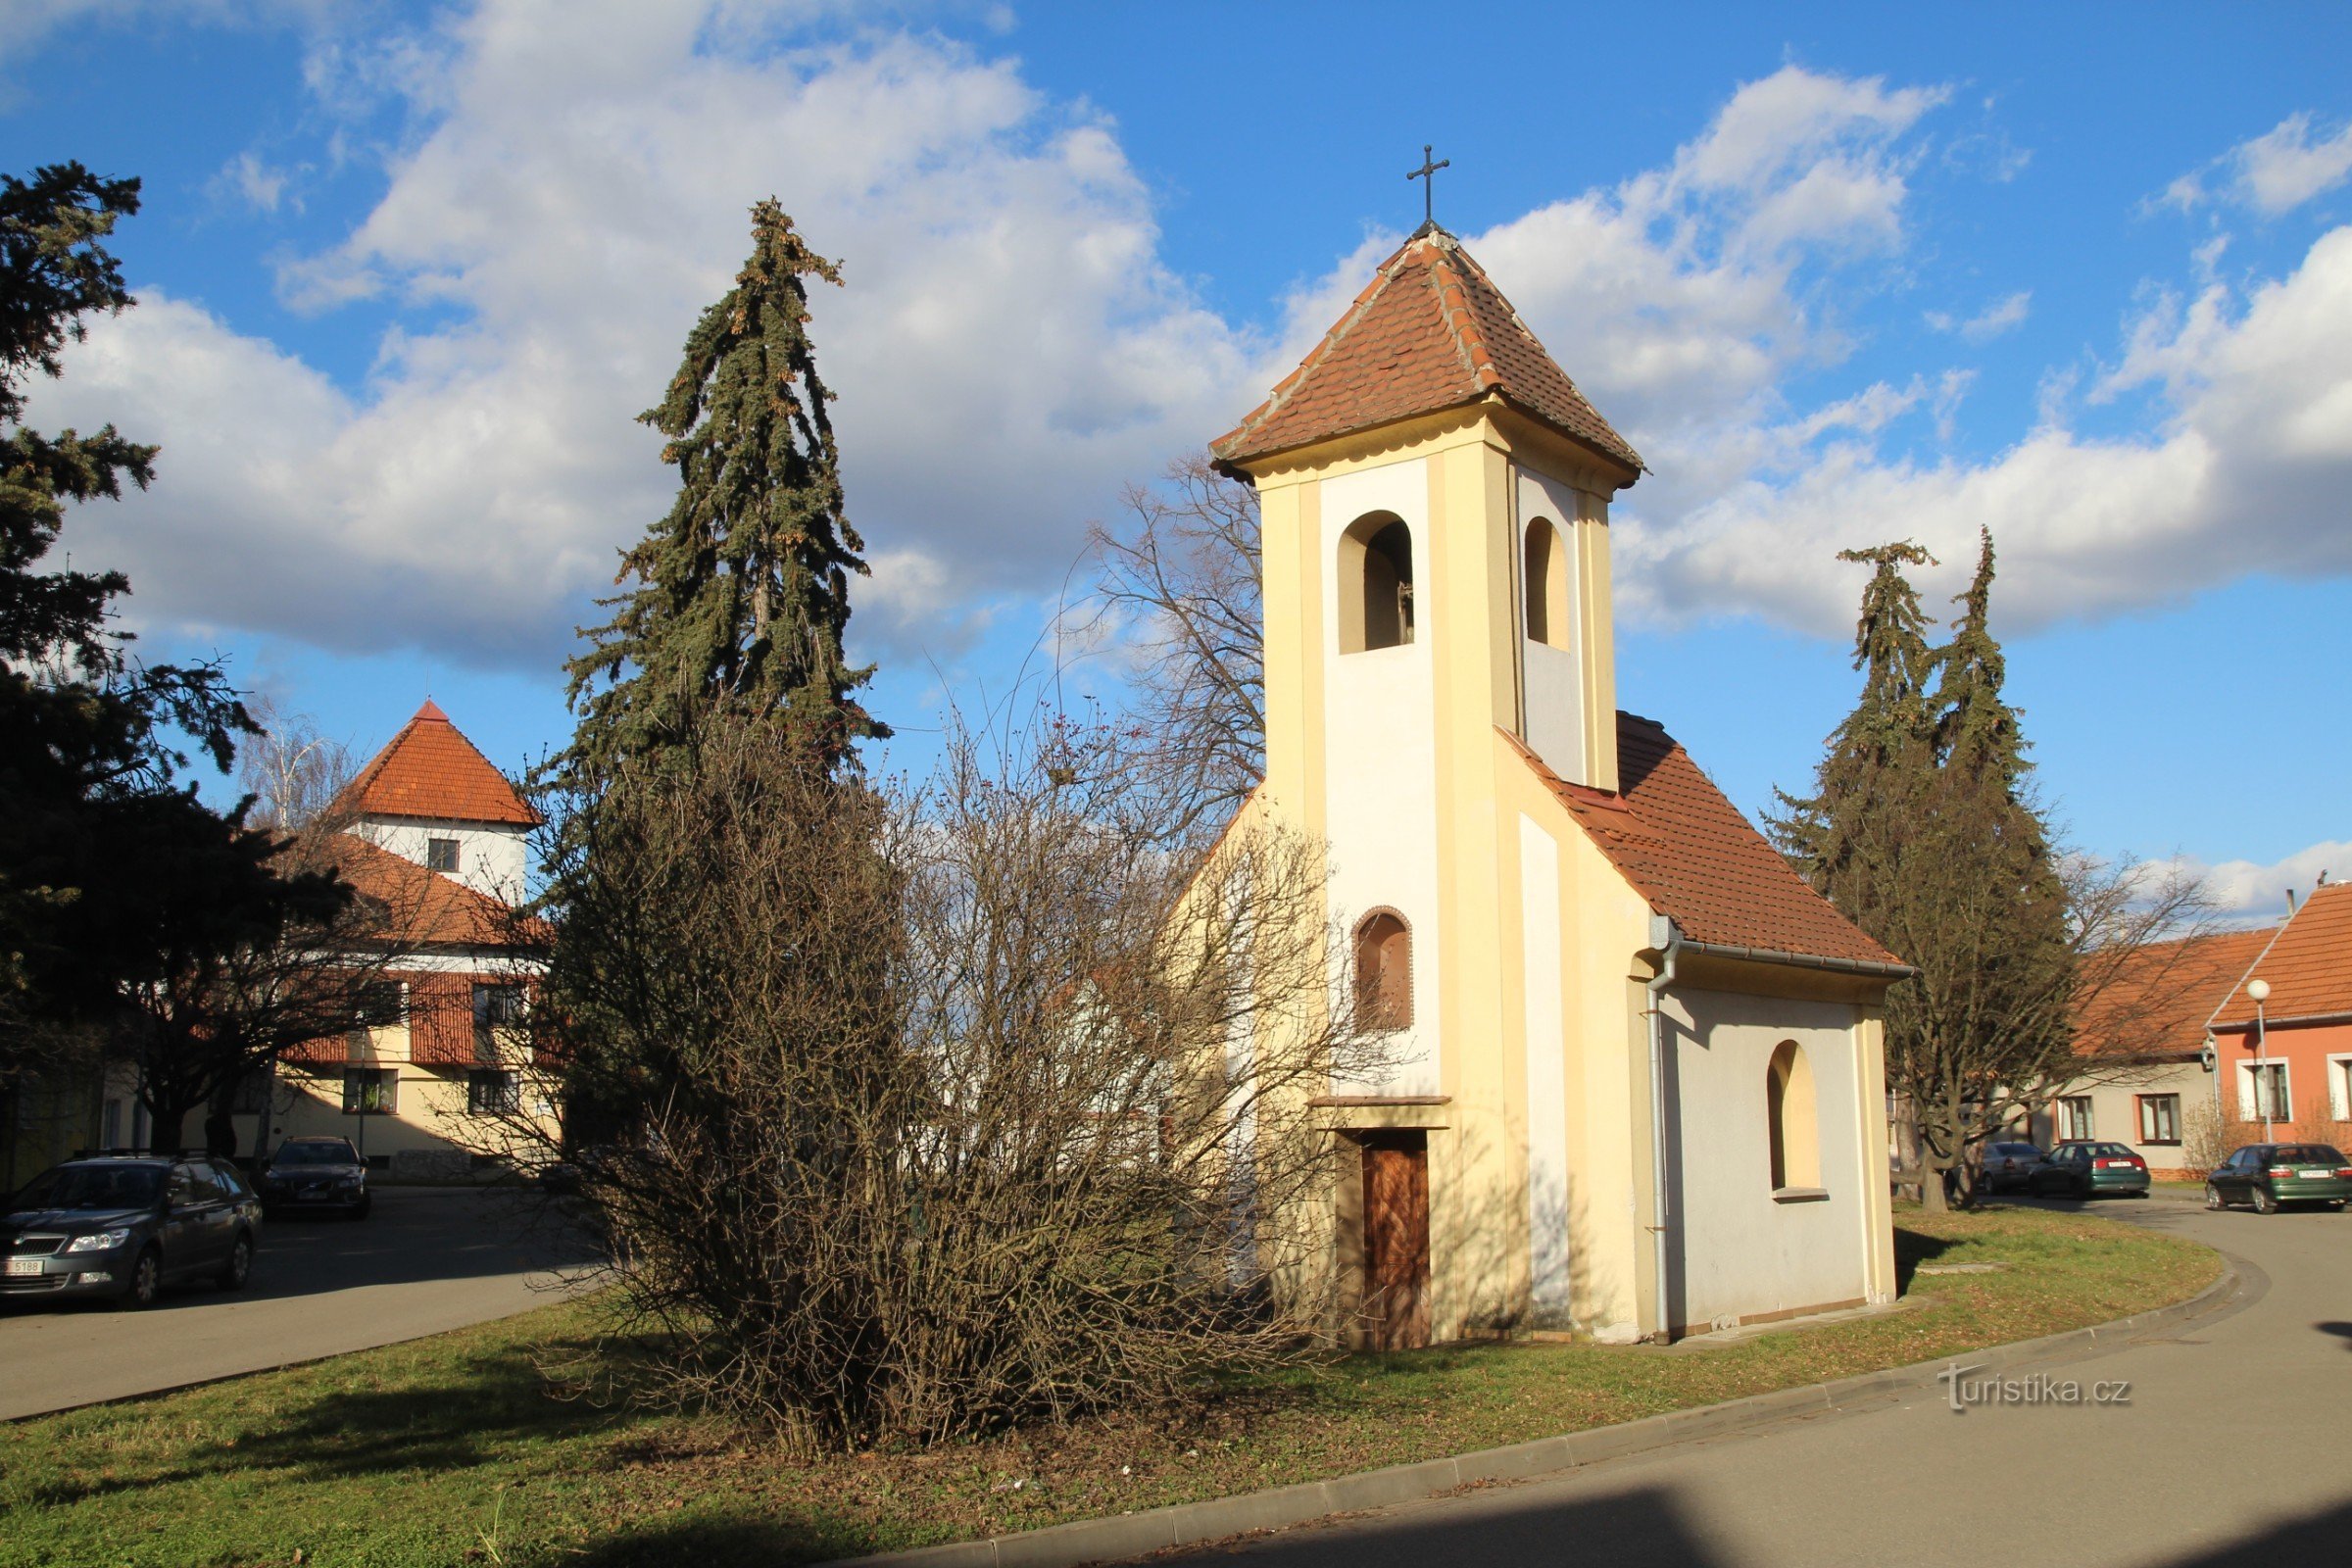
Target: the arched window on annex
pixel 1376 583
pixel 1384 972
pixel 1546 584
pixel 1791 1121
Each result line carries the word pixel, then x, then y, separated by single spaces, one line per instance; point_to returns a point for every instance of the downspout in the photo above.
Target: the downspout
pixel 1667 938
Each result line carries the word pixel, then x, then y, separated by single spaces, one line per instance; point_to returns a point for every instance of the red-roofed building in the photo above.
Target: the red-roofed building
pixel 438 838
pixel 2288 1057
pixel 1635 1083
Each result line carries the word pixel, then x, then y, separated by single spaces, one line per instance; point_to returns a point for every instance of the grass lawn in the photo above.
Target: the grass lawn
pixel 460 1449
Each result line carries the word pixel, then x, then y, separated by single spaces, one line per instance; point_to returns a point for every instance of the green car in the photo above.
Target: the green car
pixel 2086 1169
pixel 2269 1176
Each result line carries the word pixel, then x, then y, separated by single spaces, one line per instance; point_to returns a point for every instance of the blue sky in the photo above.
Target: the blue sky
pixel 2079 273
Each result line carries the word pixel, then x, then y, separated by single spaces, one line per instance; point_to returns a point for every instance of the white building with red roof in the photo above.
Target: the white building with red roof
pixel 439 838
pixel 1636 1082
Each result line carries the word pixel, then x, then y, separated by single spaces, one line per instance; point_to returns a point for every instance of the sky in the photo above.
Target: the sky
pixel 2078 275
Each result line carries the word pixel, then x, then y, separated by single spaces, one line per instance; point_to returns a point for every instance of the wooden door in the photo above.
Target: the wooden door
pixel 1396 1240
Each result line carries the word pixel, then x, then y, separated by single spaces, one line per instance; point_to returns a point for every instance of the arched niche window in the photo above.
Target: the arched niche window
pixel 1376 583
pixel 1546 584
pixel 1789 1118
pixel 1384 972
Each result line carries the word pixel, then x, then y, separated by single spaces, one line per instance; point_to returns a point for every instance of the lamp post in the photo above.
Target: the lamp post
pixel 2260 990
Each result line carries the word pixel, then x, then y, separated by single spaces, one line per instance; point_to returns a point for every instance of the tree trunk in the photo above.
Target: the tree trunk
pixel 1931 1184
pixel 163 1126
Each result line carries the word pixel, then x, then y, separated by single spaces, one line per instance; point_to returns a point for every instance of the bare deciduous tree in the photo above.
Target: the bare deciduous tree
pixel 1178 584
pixel 934 1108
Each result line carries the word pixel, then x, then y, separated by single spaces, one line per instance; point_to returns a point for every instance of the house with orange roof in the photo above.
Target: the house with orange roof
pixel 438 838
pixel 2282 1030
pixel 1635 1078
pixel 2140 1037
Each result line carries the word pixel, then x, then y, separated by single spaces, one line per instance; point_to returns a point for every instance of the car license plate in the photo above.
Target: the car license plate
pixel 19 1266
pixel 2319 1175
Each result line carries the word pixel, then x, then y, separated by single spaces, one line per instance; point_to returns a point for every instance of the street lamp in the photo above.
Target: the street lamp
pixel 2260 990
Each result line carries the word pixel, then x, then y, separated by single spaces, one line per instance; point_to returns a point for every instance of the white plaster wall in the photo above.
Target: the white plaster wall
pixel 1380 765
pixel 1549 1280
pixel 1741 1252
pixel 492 860
pixel 1555 689
pixel 2115 1108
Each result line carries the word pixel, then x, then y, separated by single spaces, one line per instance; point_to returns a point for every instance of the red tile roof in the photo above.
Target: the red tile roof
pixel 425 909
pixel 2309 966
pixel 1430 332
pixel 1685 847
pixel 2155 999
pixel 430 770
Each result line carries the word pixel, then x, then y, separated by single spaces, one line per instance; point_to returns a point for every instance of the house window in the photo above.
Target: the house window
pixel 492 1093
pixel 1790 1125
pixel 370 1090
pixel 1546 584
pixel 2340 1087
pixel 2263 1092
pixel 1376 584
pixel 2074 1117
pixel 1384 972
pixel 384 1003
pixel 441 855
pixel 2159 1118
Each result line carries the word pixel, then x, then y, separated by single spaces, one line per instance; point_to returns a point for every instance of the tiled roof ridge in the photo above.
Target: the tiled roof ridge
pixel 2291 986
pixel 363 797
pixel 1693 855
pixel 1460 292
pixel 1382 277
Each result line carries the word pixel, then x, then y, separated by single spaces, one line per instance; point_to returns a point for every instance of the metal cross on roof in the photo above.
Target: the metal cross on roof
pixel 1428 173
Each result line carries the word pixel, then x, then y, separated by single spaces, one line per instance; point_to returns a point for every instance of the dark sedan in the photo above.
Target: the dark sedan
pixel 2010 1167
pixel 322 1173
pixel 2269 1176
pixel 125 1226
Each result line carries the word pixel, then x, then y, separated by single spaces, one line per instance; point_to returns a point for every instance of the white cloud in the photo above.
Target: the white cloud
pixel 1010 348
pixel 2246 892
pixel 1990 322
pixel 2274 172
pixel 1007 349
pixel 258 184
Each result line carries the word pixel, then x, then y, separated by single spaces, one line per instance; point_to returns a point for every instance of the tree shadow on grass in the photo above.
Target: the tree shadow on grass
pixel 719 1543
pixel 484 1404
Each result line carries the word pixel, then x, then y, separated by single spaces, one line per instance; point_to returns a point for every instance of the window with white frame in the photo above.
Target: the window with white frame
pixel 2340 1087
pixel 2264 1092
pixel 2074 1117
pixel 2159 1118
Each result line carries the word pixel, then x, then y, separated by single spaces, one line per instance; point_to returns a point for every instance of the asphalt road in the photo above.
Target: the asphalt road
pixel 426 1260
pixel 2233 1450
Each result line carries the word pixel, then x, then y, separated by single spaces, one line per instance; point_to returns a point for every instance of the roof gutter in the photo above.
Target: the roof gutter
pixel 2308 1019
pixel 1799 960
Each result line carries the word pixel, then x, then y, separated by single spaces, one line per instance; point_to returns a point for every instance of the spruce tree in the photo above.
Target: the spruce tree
pixel 1923 831
pixel 1976 728
pixel 1884 748
pixel 741 593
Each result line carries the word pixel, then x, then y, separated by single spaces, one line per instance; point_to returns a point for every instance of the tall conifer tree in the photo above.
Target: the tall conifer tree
pixel 1920 828
pixel 742 590
pixel 1884 748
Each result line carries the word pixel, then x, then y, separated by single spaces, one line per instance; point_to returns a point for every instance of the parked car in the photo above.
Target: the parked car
pixel 322 1173
pixel 2085 1169
pixel 125 1226
pixel 2270 1176
pixel 2010 1167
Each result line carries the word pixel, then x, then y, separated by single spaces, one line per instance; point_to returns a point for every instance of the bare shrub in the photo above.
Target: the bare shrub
pixel 933 1110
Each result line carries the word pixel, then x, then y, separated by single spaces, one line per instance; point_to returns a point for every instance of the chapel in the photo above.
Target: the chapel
pixel 1635 1078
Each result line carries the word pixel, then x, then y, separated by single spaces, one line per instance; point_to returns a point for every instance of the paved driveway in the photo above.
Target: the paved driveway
pixel 424 1261
pixel 2235 1448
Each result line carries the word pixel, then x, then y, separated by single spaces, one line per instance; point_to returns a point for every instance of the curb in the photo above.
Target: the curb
pixel 1193 1524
